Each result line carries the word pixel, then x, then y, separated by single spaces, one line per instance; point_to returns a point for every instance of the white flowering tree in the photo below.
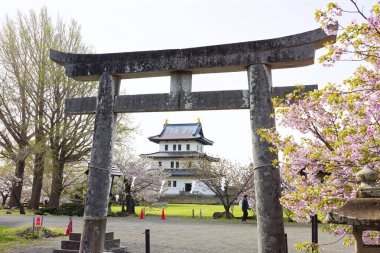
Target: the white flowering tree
pixel 228 180
pixel 6 180
pixel 141 180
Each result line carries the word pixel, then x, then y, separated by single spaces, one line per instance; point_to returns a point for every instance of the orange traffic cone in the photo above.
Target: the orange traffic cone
pixel 163 214
pixel 38 221
pixel 69 228
pixel 141 214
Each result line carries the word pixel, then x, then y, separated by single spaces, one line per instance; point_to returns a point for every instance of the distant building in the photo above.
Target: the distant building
pixel 177 144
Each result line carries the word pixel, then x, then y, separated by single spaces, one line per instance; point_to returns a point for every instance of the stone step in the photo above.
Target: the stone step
pixel 76 236
pixel 74 245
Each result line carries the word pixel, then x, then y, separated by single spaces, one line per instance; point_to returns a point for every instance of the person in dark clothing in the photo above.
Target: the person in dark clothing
pixel 245 208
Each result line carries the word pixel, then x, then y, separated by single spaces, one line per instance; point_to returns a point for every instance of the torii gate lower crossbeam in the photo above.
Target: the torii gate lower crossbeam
pixel 256 57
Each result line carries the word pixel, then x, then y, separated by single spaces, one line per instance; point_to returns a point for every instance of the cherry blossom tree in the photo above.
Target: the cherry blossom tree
pixel 6 180
pixel 338 125
pixel 141 180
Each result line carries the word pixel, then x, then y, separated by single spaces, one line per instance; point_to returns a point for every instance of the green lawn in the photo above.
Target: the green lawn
pixel 13 238
pixel 177 210
pixel 16 212
pixel 184 210
pixel 8 238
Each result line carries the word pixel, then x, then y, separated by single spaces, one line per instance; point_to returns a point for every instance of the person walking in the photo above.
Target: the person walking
pixel 245 207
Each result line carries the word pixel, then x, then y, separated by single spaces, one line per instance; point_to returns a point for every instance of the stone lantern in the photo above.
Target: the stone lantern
pixel 362 212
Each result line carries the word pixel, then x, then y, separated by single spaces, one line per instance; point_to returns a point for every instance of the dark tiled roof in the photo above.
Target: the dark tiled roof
pixel 180 154
pixel 174 132
pixel 179 173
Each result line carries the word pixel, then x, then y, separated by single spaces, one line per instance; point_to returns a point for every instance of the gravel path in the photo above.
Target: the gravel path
pixel 175 235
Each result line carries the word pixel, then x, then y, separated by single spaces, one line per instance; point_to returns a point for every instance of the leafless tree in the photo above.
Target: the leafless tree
pixel 228 180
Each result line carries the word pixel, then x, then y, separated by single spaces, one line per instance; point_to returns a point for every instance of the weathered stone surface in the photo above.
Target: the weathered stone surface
pixel 282 91
pixel 193 101
pixel 270 226
pixel 368 178
pixel 291 51
pixel 99 176
pixel 93 237
pixel 81 105
pixel 368 193
pixel 180 82
pixel 358 211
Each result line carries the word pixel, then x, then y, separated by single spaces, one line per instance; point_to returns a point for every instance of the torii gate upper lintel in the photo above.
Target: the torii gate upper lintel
pixel 255 57
pixel 284 52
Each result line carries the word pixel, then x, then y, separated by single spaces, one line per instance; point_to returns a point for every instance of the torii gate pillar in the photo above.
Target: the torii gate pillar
pixel 99 176
pixel 270 226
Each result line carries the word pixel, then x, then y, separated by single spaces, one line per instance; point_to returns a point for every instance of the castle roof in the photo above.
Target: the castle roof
pixel 180 154
pixel 182 132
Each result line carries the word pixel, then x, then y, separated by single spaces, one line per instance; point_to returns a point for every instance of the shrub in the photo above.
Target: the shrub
pixel 69 209
pixel 49 210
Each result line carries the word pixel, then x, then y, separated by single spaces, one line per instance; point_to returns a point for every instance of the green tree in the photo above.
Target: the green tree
pixel 16 115
pixel 33 90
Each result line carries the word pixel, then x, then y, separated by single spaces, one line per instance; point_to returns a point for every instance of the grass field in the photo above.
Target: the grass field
pixel 12 238
pixel 15 211
pixel 8 238
pixel 175 210
pixel 184 210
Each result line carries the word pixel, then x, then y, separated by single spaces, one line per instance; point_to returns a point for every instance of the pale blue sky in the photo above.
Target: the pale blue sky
pixel 130 25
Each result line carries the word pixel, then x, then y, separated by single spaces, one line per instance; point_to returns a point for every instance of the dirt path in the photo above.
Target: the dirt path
pixel 177 236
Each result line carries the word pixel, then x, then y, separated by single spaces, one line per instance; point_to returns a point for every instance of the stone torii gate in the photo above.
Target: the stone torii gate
pixel 255 57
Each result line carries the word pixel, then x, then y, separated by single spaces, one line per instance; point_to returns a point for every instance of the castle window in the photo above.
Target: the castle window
pixel 174 183
pixel 160 164
pixel 179 147
pixel 177 164
pixel 169 183
pixel 171 164
pixel 187 146
pixel 174 147
pixel 166 147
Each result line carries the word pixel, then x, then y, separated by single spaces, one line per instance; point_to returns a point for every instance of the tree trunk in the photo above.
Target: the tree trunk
pixel 19 204
pixel 38 175
pixel 227 211
pixel 56 185
pixel 123 203
pixel 130 204
pixel 17 186
pixel 4 197
pixel 129 199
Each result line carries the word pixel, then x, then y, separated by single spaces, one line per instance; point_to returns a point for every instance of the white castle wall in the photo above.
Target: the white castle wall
pixel 200 187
